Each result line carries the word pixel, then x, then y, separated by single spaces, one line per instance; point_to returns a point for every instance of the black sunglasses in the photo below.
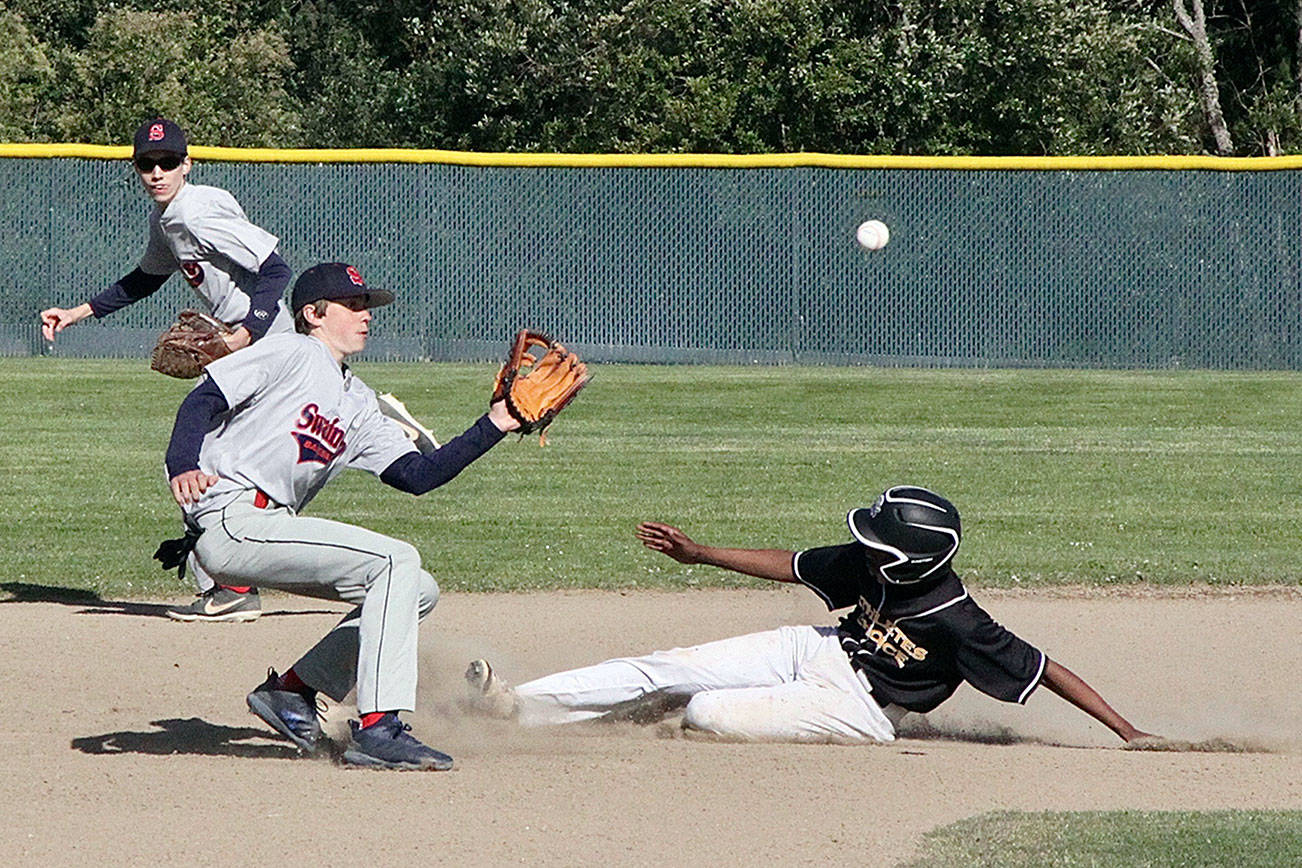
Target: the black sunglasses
pixel 167 163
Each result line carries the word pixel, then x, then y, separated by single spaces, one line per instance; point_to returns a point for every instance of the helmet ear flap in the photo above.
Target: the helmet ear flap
pixel 881 562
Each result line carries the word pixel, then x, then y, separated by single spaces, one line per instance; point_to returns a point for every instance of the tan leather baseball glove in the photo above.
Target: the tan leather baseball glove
pixel 194 340
pixel 536 388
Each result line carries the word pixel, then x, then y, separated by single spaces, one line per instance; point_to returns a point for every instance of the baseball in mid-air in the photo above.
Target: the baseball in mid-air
pixel 872 235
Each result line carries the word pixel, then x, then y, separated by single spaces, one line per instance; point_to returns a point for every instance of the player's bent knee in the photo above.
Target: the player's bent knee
pixel 705 713
pixel 429 593
pixel 403 559
pixel 717 714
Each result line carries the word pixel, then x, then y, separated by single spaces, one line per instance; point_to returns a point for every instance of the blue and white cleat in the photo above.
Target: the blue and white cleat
pixel 386 745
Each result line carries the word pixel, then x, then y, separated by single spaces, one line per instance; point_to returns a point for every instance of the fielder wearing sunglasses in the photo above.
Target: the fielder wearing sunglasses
pixel 230 264
pixel 167 162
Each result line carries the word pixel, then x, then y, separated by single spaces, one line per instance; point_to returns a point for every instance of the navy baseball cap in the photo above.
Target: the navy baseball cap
pixel 160 134
pixel 334 280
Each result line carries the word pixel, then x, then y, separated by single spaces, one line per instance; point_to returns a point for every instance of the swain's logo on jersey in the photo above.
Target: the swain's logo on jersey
pixel 319 439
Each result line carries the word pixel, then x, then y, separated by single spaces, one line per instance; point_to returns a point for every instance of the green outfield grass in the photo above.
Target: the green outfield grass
pixel 1062 476
pixel 1120 839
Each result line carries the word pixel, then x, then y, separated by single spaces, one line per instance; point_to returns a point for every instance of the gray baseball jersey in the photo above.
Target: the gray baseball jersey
pixel 205 234
pixel 298 421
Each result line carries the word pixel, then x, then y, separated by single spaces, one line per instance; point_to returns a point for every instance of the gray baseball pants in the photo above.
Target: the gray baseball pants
pixel 375 646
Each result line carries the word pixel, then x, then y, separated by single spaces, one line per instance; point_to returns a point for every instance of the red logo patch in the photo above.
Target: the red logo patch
pixel 156 133
pixel 312 450
pixel 354 276
pixel 193 272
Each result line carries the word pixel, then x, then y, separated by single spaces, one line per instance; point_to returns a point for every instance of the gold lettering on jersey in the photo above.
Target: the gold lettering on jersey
pixel 886 636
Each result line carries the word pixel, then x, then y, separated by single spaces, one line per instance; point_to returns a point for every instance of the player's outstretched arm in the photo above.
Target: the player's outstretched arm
pixel 129 289
pixel 418 473
pixel 56 319
pixel 772 564
pixel 1073 688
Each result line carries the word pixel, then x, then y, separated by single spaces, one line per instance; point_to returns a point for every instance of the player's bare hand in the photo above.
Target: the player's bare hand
pixel 501 417
pixel 238 339
pixel 56 319
pixel 188 487
pixel 669 540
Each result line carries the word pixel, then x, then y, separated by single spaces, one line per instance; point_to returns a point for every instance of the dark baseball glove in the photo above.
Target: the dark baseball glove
pixel 536 388
pixel 194 340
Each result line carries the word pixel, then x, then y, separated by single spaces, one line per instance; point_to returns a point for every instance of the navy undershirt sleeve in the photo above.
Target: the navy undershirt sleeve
pixel 273 277
pixel 198 414
pixel 128 290
pixel 417 473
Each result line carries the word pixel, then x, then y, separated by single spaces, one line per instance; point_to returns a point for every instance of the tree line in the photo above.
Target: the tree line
pixel 933 77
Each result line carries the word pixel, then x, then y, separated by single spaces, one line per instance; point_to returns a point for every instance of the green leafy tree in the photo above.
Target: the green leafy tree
pixel 1258 72
pixel 347 65
pixel 746 76
pixel 26 74
pixel 62 23
pixel 225 86
pixel 943 76
pixel 1057 77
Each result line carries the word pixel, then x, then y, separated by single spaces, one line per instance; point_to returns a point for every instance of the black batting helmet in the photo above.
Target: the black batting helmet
pixel 911 533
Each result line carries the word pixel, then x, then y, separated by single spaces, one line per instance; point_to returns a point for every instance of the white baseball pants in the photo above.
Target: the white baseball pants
pixel 375 646
pixel 788 684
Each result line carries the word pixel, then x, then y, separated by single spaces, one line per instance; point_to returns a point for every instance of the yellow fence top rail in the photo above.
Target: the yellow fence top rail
pixel 697 161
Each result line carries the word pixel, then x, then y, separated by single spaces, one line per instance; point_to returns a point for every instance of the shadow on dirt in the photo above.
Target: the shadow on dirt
pixel 190 735
pixel 916 726
pixel 25 592
pixel 94 604
pixel 919 728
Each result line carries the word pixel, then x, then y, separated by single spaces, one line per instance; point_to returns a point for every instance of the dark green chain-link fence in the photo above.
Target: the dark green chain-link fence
pixel 1126 268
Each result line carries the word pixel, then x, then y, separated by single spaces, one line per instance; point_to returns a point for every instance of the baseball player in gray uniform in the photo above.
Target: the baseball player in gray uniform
pixel 263 431
pixel 235 272
pixel 913 635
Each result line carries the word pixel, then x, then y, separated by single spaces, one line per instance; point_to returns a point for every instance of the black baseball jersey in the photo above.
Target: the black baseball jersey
pixel 916 644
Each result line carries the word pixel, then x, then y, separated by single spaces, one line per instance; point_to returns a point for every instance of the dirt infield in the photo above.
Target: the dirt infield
pixel 126 739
